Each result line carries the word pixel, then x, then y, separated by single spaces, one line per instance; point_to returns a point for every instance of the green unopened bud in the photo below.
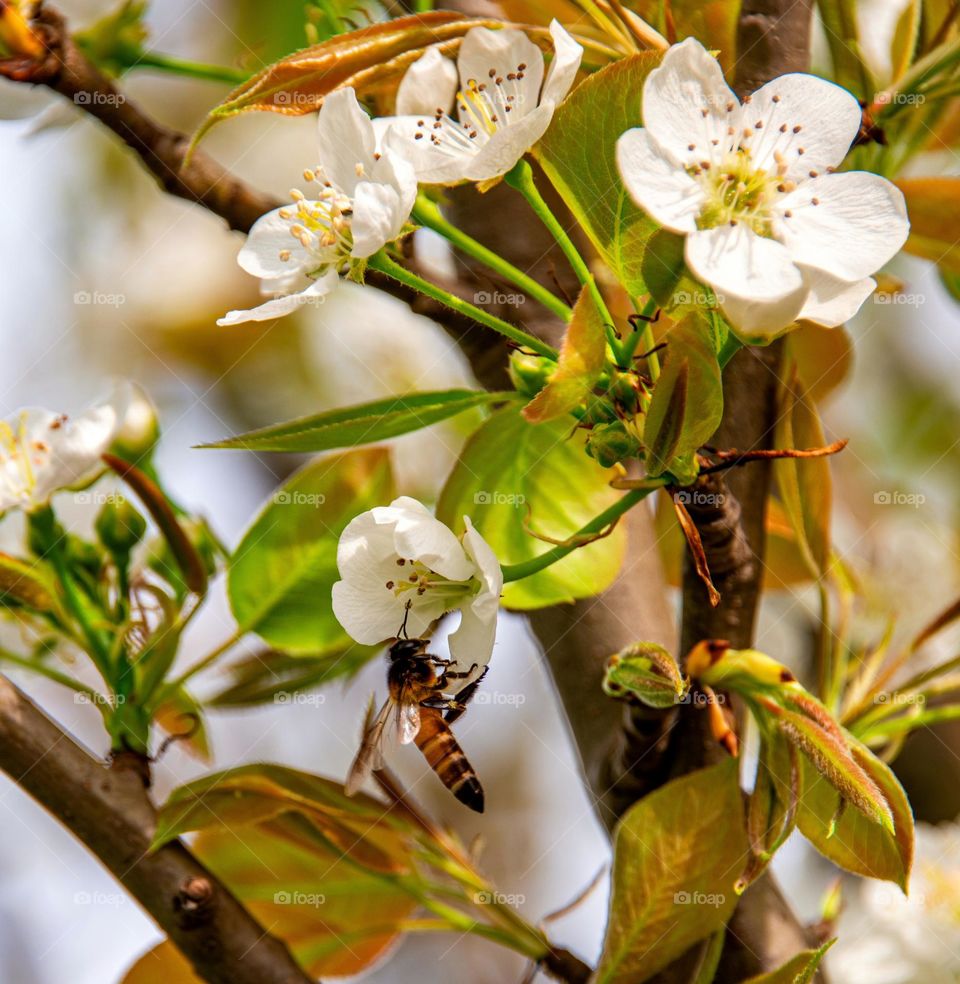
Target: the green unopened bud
pixel 599 410
pixel 610 443
pixel 625 390
pixel 83 553
pixel 43 531
pixel 119 525
pixel 139 429
pixel 529 373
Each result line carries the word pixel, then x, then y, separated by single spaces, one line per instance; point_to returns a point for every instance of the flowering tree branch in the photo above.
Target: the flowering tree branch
pixel 108 809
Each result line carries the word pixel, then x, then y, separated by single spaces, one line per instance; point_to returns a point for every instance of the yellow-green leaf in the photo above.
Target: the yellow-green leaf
pixel 163 964
pixel 27 584
pixel 677 855
pixel 579 364
pixel 799 969
pixel 513 477
pixel 648 672
pixel 933 205
pixel 714 22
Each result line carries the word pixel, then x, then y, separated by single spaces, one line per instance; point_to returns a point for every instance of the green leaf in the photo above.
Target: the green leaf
pixel 281 575
pixel 803 484
pixel 273 676
pixel 849 68
pixel 580 362
pixel 367 423
pixel 578 154
pixel 648 672
pixel 30 585
pixel 510 470
pixel 677 854
pixel 687 401
pixel 798 969
pixel 850 840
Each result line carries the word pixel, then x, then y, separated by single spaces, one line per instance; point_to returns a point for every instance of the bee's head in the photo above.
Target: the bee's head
pixel 406 648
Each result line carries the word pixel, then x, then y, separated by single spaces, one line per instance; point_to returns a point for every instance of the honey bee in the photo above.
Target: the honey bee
pixel 421 706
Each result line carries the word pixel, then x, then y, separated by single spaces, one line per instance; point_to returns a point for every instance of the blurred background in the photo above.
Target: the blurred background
pixel 103 276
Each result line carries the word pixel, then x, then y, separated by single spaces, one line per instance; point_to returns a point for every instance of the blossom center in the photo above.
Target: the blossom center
pixel 414 576
pixel 322 224
pixel 21 455
pixel 736 192
pixel 483 107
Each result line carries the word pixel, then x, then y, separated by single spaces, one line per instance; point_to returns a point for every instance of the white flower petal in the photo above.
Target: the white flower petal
pixel 686 100
pixel 737 262
pixel 376 217
pixel 488 567
pixel 801 112
pixel 280 306
pixel 269 236
pixel 832 302
pixel 859 222
pixel 425 538
pixel 429 84
pixel 661 188
pixel 472 642
pixel 484 51
pixel 430 164
pixel 347 139
pixel 370 614
pixel 563 68
pixel 505 147
pixel 366 551
pixel 761 321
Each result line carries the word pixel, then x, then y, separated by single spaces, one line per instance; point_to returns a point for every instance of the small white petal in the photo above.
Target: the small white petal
pixel 659 186
pixel 269 237
pixel 859 223
pixel 760 322
pixel 685 102
pixel 472 642
pixel 502 52
pixel 505 147
pixel 280 306
pixel 429 84
pixel 346 138
pixel 377 218
pixel 827 115
pixel 430 164
pixel 563 68
pixel 488 567
pixel 737 262
pixel 833 302
pixel 424 538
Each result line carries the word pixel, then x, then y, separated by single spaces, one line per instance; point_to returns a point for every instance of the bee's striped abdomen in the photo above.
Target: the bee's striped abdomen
pixel 446 758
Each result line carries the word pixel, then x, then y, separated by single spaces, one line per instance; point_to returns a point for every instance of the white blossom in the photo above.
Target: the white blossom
pixel 42 451
pixel 364 197
pixel 399 562
pixel 769 225
pixel 502 104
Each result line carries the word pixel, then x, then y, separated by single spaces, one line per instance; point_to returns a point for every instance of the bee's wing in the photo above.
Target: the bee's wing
pixel 408 722
pixel 370 754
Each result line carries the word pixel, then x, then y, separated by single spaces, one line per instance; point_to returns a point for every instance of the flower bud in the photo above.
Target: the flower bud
pixel 610 443
pixel 529 373
pixel 119 525
pixel 139 429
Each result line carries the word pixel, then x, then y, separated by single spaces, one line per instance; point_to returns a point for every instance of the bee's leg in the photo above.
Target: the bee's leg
pixel 459 704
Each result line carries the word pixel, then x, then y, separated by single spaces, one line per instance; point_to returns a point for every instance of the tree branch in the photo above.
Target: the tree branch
pixel 108 809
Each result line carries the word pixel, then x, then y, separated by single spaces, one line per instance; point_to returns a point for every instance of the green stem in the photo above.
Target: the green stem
pixel 202 664
pixel 380 261
pixel 429 215
pixel 643 335
pixel 514 572
pixel 730 348
pixel 521 178
pixel 196 70
pixel 96 698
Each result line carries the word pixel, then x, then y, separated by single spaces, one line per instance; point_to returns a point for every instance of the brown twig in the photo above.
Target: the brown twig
pixel 108 809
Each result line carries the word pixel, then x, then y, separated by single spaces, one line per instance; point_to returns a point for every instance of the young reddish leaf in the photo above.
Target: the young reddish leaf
pixel 162 964
pixel 648 672
pixel 853 842
pixel 373 56
pixel 579 365
pixel 798 969
pixel 803 483
pixel 933 205
pixel 677 854
pixel 687 400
